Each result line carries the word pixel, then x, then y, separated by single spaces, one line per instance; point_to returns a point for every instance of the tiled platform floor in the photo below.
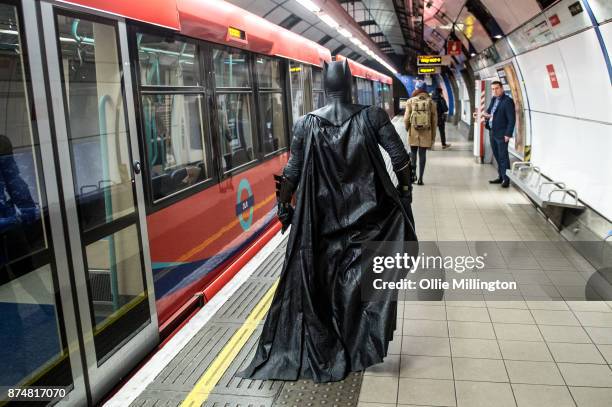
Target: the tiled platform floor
pixel 492 353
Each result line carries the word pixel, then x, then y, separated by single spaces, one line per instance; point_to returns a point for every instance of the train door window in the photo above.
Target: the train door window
pixel 32 333
pixel 173 125
pixel 297 90
pixel 364 89
pixel 386 94
pixel 301 89
pixel 234 106
pixel 270 94
pixel 101 162
pixel 318 94
pixel 307 78
pixel 378 99
pixel 355 91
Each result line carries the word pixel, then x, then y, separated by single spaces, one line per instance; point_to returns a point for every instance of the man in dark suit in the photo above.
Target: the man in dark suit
pixel 500 119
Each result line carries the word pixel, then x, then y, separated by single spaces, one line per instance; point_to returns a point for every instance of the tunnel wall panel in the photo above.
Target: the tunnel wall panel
pixel 572 124
pixel 588 76
pixel 542 96
pixel 576 152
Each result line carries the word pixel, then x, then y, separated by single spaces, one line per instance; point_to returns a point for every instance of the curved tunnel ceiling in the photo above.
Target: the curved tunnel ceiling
pixel 395 25
pixel 440 16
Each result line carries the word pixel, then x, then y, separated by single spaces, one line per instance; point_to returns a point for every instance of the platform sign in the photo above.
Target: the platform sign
pixel 575 8
pixel 554 82
pixel 501 74
pixel 428 70
pixel 429 60
pixel 554 20
pixel 453 47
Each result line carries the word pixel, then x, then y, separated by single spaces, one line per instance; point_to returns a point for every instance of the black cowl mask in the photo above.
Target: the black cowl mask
pixel 337 80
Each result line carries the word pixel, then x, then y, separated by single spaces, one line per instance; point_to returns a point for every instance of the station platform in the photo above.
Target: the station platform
pixel 481 352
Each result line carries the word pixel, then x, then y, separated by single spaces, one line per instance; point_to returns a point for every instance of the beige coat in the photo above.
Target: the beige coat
pixel 421 138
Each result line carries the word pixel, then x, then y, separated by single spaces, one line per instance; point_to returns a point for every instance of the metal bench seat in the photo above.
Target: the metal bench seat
pixel 529 179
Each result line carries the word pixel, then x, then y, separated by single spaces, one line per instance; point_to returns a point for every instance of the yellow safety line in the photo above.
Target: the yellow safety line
pixel 217 368
pixel 186 256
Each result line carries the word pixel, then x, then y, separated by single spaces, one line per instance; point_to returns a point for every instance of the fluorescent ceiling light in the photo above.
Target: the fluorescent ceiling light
pixel 498 36
pixel 329 21
pixel 356 41
pixel 309 5
pixel 449 26
pixel 345 32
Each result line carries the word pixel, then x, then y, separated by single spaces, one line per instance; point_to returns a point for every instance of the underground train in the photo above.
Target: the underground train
pixel 137 149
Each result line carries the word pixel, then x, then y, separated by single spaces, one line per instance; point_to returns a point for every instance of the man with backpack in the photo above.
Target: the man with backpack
pixel 420 119
pixel 442 108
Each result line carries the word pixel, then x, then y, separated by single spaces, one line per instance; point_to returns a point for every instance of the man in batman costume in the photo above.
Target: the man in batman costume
pixel 318 326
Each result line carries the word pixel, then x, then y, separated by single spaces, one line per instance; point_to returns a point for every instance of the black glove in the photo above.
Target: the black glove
pixel 284 211
pixel 413 176
pixel 284 194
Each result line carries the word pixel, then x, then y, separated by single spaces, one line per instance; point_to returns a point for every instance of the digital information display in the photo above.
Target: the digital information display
pixel 236 33
pixel 428 60
pixel 428 70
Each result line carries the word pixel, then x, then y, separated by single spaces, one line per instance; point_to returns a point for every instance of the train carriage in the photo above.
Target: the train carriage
pixel 142 138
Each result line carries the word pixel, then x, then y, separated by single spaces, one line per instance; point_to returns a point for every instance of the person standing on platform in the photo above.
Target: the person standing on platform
pixel 420 121
pixel 500 120
pixel 442 107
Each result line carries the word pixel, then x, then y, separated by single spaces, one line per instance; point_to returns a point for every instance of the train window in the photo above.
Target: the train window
pixel 273 114
pixel 378 97
pixel 271 104
pixel 234 118
pixel 301 89
pixel 386 92
pixel 231 68
pixel 172 114
pixel 297 90
pixel 174 131
pixel 233 107
pixel 307 78
pixel 268 73
pixel 31 333
pixel 318 94
pixel 364 91
pixel 98 133
pixel 167 63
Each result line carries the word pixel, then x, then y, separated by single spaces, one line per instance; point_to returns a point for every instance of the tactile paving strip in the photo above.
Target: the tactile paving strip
pixel 303 393
pixel 179 377
pixel 240 305
pixel 233 387
pixel 271 266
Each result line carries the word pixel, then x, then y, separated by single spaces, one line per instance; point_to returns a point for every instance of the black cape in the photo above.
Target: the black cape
pixel 318 327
